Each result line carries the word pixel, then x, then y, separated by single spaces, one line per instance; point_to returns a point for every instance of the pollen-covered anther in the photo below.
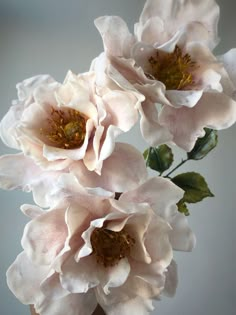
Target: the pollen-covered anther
pixel 110 247
pixel 66 128
pixel 174 69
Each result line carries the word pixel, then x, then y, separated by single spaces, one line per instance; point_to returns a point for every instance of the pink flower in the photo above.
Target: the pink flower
pixel 169 60
pixel 56 124
pixel 90 248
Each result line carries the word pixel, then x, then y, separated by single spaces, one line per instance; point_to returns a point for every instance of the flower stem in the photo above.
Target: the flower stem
pixel 175 168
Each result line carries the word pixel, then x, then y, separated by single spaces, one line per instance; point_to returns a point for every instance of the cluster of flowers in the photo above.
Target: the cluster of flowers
pixel 101 230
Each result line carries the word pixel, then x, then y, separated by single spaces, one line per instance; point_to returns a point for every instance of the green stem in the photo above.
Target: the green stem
pixel 177 166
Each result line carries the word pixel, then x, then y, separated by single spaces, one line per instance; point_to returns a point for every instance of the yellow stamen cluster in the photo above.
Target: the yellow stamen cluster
pixel 66 128
pixel 110 247
pixel 174 69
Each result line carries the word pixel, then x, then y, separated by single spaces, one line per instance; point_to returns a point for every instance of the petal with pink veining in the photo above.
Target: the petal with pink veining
pixel 17 171
pixel 44 236
pixel 181 13
pixel 117 174
pixel 214 110
pixel 24 278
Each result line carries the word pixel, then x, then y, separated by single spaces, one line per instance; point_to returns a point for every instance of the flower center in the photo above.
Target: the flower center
pixel 110 247
pixel 66 128
pixel 173 69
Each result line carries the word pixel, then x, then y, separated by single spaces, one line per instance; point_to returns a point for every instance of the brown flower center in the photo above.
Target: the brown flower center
pixel 174 69
pixel 110 247
pixel 66 128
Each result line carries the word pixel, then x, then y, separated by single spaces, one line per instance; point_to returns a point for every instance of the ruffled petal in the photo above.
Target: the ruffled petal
pixel 160 193
pixel 51 287
pixel 79 304
pixel 24 278
pixel 121 107
pixel 171 280
pixel 45 236
pixel 35 151
pixel 214 110
pixel 109 144
pixel 17 172
pixel 188 98
pixel 77 87
pixel 115 34
pixel 117 174
pixel 79 277
pixel 20 172
pixel 157 242
pixel 151 32
pixel 116 275
pixel 32 211
pixel 181 236
pixel 26 88
pixel 151 130
pixel 150 276
pixel 137 227
pixel 137 306
pixel 228 60
pixel 181 13
pixel 8 133
pixel 141 284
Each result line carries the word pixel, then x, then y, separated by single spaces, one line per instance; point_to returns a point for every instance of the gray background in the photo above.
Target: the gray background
pixel 53 36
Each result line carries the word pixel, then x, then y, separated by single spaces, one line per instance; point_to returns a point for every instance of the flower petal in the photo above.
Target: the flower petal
pixel 214 110
pixel 151 32
pixel 137 306
pixel 228 60
pixel 121 106
pixel 8 133
pixel 171 281
pixel 17 172
pixel 116 36
pixel 160 193
pixel 181 13
pixel 181 236
pixel 116 275
pixel 151 130
pixel 24 278
pixel 188 98
pixel 45 236
pixel 79 304
pixel 32 211
pixel 157 242
pixel 26 88
pixel 117 174
pixel 150 276
pixel 51 287
pixel 79 277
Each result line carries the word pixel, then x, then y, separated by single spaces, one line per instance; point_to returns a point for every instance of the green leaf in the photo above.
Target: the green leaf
pixel 194 185
pixel 204 145
pixel 159 158
pixel 182 207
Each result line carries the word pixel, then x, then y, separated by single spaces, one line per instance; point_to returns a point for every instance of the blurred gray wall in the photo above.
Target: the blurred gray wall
pixel 53 36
